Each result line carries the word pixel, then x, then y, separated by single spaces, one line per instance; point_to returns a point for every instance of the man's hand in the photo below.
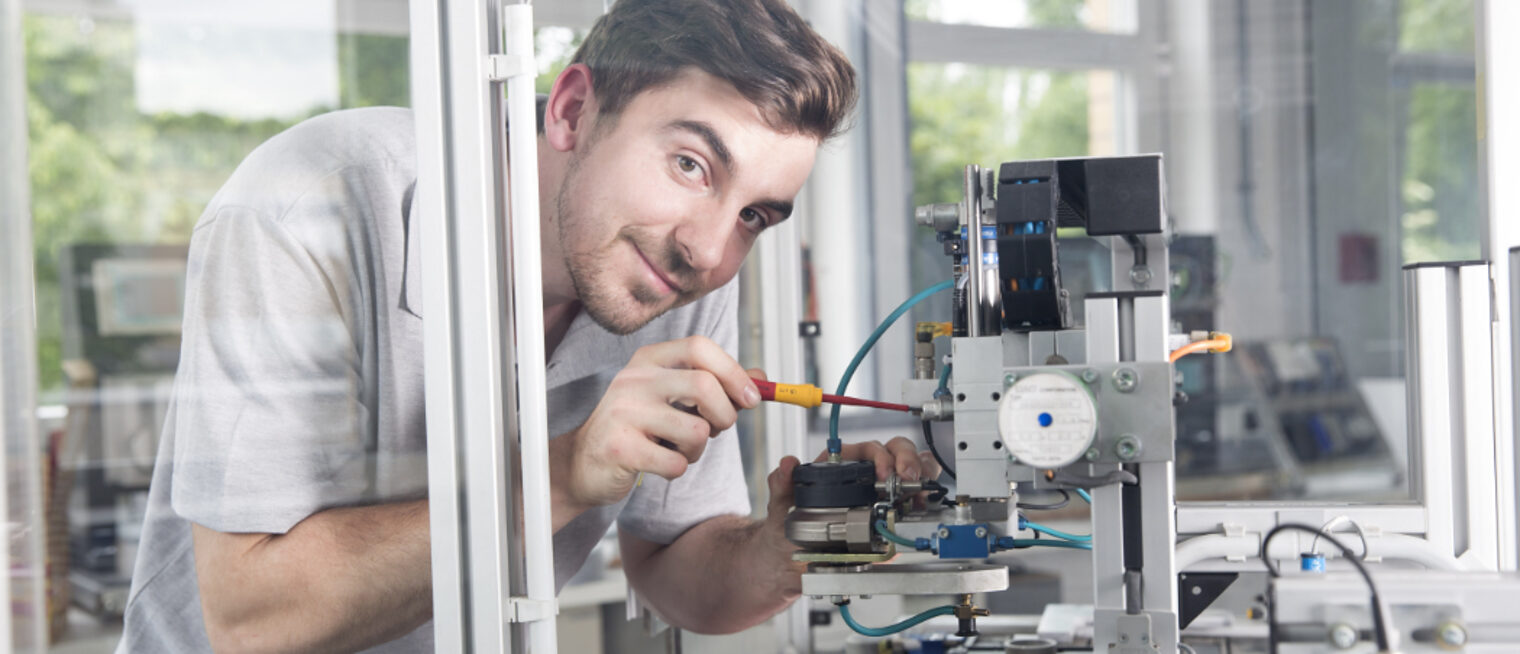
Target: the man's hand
pixel 899 455
pixel 656 417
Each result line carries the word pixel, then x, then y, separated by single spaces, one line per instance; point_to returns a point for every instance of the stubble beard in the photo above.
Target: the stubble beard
pixel 614 309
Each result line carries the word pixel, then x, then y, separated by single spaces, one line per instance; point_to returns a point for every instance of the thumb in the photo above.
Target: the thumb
pixel 757 373
pixel 780 482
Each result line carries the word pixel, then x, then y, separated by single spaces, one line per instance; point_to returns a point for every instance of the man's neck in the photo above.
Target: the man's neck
pixel 557 320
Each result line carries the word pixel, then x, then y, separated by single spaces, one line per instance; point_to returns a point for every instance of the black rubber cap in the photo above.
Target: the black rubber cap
pixel 832 485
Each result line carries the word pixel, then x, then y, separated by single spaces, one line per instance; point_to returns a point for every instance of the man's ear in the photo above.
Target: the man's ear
pixel 571 111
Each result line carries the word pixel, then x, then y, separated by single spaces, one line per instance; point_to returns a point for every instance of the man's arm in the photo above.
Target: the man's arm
pixel 730 573
pixel 341 580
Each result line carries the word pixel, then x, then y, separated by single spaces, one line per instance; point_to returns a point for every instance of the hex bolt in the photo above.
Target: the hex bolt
pixel 1089 375
pixel 1126 379
pixel 1451 634
pixel 1009 379
pixel 1127 448
pixel 1093 454
pixel 1343 636
pixel 1140 275
pixel 981 532
pixel 944 533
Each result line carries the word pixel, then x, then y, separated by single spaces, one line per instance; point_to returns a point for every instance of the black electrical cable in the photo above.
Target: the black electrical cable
pixel 1380 628
pixel 1065 499
pixel 929 438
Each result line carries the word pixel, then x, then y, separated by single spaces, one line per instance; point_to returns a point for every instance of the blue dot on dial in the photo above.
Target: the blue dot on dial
pixel 1045 420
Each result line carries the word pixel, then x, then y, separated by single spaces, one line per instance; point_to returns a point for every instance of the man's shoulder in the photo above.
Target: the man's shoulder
pixel 366 150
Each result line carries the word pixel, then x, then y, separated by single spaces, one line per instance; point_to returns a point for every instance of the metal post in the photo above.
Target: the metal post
pixel 21 544
pixel 971 218
pixel 471 389
pixel 780 261
pixel 1499 158
pixel 1450 371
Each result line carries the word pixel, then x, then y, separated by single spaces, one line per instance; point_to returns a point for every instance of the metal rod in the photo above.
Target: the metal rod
pixel 971 209
pixel 528 309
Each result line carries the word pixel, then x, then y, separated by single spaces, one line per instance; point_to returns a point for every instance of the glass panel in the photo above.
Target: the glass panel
pixel 1311 152
pixel 1436 26
pixel 138 114
pixel 963 114
pixel 1440 193
pixel 1095 15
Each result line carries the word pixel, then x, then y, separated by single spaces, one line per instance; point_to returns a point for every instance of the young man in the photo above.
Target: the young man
pixel 288 508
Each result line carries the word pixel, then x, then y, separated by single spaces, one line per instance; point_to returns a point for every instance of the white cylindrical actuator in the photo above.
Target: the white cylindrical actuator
pixel 1047 419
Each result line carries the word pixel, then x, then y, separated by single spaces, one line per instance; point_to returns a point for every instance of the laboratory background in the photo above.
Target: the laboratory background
pixel 1310 320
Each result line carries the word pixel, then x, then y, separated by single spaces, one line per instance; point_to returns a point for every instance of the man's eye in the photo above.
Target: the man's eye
pixel 687 165
pixel 753 219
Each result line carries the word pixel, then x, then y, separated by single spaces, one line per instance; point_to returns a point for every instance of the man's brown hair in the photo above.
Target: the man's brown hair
pixel 800 82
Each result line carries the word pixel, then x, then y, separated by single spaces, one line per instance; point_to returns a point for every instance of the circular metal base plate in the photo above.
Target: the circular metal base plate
pixel 909 579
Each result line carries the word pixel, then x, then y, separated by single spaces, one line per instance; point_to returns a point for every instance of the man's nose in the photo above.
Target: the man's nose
pixel 703 240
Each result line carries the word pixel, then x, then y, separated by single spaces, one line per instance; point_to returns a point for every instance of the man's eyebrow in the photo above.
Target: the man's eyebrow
pixel 781 207
pixel 708 134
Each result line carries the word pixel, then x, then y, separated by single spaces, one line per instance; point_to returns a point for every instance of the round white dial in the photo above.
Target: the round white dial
pixel 1047 420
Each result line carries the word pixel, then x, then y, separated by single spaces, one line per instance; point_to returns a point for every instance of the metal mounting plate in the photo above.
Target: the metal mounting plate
pixel 909 579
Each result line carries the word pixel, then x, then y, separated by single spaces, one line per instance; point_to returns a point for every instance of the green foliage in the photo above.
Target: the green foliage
pixel 1440 190
pixel 103 172
pixel 1436 25
pixel 373 71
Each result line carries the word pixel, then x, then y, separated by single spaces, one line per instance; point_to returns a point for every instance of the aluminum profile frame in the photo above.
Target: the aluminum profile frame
pixel 471 328
pixel 18 353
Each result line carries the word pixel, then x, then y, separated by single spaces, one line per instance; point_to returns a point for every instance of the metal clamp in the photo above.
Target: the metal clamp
pixel 502 67
pixel 523 609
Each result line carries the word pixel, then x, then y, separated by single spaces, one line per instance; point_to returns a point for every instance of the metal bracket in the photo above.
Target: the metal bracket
pixel 502 67
pixel 522 609
pixel 1197 590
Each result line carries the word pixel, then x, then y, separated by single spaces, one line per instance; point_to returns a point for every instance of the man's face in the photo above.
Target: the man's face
pixel 661 207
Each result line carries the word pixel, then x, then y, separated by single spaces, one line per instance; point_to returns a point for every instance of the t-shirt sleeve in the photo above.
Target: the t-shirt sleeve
pixel 268 420
pixel 660 511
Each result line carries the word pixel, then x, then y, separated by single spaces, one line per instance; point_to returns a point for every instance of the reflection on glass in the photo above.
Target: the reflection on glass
pixel 1439 190
pixel 1095 15
pixel 961 114
pixel 136 118
pixel 1436 26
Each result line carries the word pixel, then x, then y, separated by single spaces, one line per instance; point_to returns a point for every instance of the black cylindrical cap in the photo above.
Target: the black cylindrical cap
pixel 833 485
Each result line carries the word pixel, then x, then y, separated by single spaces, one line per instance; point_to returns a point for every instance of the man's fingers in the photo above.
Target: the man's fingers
pixel 652 457
pixel 701 353
pixel 780 482
pixel 688 434
pixel 757 373
pixel 931 468
pixel 701 390
pixel 905 458
pixel 870 451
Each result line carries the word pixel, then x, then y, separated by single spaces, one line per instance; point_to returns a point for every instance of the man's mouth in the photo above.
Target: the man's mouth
pixel 658 276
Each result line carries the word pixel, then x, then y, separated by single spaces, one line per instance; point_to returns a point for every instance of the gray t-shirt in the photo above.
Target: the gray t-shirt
pixel 300 380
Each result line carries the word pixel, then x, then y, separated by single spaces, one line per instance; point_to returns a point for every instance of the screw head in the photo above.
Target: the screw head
pixel 981 532
pixel 1126 379
pixel 1093 454
pixel 1127 447
pixel 1140 275
pixel 1451 634
pixel 1343 636
pixel 1009 379
pixel 1089 375
pixel 944 533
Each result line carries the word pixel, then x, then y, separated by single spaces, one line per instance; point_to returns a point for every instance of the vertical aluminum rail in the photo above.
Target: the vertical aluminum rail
pixel 538 607
pixel 779 256
pixel 1449 311
pixel 1499 157
pixel 1134 328
pixel 20 488
pixel 472 325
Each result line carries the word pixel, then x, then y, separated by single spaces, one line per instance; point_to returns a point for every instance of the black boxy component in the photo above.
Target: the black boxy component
pixel 1107 196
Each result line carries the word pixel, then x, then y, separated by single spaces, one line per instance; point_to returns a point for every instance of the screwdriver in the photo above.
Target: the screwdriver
pixel 809 396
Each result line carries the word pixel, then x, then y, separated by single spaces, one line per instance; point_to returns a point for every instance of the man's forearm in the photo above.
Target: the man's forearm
pixel 722 576
pixel 341 580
